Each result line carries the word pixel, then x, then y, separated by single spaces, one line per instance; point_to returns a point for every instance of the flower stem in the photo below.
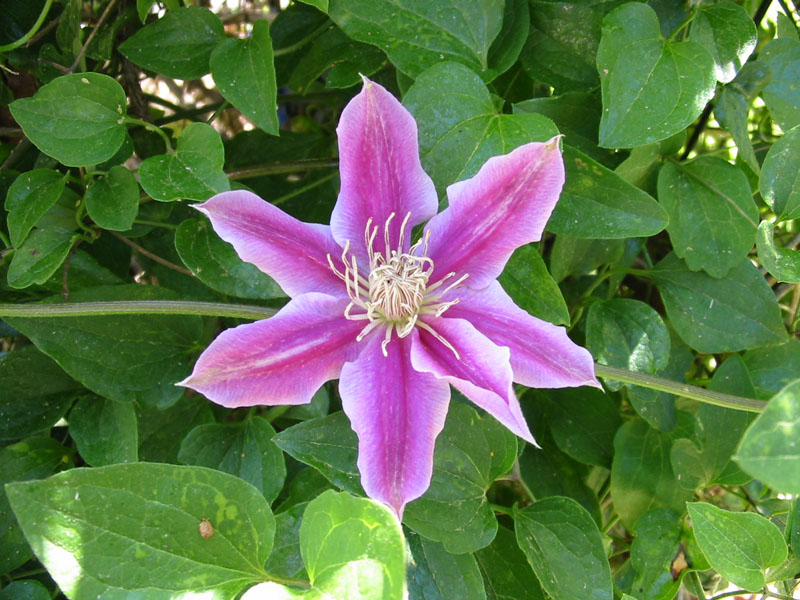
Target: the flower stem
pixel 137 307
pixel 679 389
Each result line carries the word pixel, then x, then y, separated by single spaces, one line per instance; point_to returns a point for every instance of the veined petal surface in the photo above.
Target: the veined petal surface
pixel 293 253
pixel 397 413
pixel 280 360
pixel 380 171
pixel 507 204
pixel 482 371
pixel 542 355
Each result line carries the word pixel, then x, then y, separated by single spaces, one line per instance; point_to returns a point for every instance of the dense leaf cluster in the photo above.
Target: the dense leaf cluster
pixel 671 256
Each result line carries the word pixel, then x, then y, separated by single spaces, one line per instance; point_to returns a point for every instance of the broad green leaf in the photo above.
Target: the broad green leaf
pixel 781 94
pixel 77 119
pixel 471 452
pixel 597 203
pixel 506 571
pixel 739 546
pixel 780 176
pixel 583 422
pixel 112 201
pixel 564 547
pixel 418 35
pixel 657 542
pixel 33 458
pixel 353 548
pixel 628 334
pixel 712 216
pixel 161 431
pixel 527 281
pixel 105 431
pixel 327 444
pixel 506 47
pixel 39 256
pixel 28 589
pixel 29 198
pixel 641 473
pixel 731 111
pixel 562 44
pixel 193 172
pixel 435 574
pixel 285 559
pixel 128 530
pixel 125 358
pixel 782 263
pixel 320 4
pixel 177 45
pixel 68 31
pixel 216 263
pixel 34 393
pixel 459 126
pixel 768 450
pixel 728 32
pixel 244 449
pixel 774 367
pixel 571 255
pixel 651 88
pixel 719 315
pixel 245 76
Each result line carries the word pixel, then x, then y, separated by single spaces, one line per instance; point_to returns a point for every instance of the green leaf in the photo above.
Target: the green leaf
pixel 571 255
pixel 583 422
pixel 459 126
pixel 731 111
pixel 728 32
pixel 327 444
pixel 33 458
pixel 177 45
pixel 768 451
pixel 82 524
pixel 712 216
pixel 34 393
pixel 244 449
pixel 781 94
pixel 161 431
pixel 562 45
pixel 24 590
pixel 285 559
pixel 782 263
pixel 216 263
pixel 471 452
pixel 527 281
pixel 597 203
pixel 353 548
pixel 105 431
pixel 774 367
pixel 135 358
pixel 628 334
pixel 506 571
pixel 416 36
pixel 77 119
pixel 739 546
pixel 245 76
pixel 719 315
pixel 435 574
pixel 641 473
pixel 29 198
pixel 651 88
pixel 657 543
pixel 112 201
pixel 564 547
pixel 193 172
pixel 39 256
pixel 780 176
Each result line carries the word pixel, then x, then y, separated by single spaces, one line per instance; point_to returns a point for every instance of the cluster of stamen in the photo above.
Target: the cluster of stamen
pixel 396 290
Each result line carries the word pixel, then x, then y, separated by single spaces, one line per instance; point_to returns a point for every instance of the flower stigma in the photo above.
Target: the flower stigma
pixel 397 288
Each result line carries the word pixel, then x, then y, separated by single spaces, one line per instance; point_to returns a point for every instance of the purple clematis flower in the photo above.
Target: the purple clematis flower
pixel 396 323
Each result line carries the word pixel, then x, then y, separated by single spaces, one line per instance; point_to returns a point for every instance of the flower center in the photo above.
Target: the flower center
pixel 396 290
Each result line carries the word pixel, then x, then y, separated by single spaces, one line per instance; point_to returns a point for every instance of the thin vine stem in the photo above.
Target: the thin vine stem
pixel 284 167
pixel 31 31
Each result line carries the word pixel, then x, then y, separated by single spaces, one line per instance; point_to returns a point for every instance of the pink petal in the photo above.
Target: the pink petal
pixel 542 355
pixel 380 170
pixel 293 253
pixel 507 204
pixel 281 360
pixel 482 372
pixel 397 414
